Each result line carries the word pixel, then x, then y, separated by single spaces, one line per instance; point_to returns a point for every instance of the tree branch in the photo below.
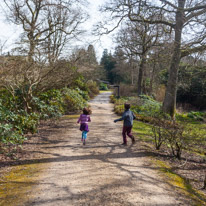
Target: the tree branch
pixel 193 50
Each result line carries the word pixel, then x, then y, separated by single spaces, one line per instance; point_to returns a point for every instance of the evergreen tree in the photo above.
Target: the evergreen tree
pixel 108 63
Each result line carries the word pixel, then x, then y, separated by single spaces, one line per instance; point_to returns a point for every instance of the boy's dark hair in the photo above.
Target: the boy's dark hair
pixel 87 111
pixel 127 106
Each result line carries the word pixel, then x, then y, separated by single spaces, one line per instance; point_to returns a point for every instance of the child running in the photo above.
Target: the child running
pixel 83 120
pixel 128 117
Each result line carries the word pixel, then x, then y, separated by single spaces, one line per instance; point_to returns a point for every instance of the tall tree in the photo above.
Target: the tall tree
pixel 138 38
pixel 181 17
pixel 108 64
pixel 45 23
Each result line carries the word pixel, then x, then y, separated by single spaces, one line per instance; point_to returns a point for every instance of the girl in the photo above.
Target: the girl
pixel 83 120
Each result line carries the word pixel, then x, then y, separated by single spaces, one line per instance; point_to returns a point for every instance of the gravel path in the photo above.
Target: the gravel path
pixel 101 173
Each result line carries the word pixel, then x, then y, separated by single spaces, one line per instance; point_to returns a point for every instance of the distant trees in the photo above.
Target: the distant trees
pixel 192 83
pixel 82 56
pixel 183 18
pixel 108 64
pixel 138 39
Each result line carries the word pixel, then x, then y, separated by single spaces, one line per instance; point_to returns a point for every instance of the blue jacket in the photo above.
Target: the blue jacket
pixel 128 117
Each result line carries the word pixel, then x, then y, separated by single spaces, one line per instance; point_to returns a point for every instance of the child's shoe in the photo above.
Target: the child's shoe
pixel 124 144
pixel 84 142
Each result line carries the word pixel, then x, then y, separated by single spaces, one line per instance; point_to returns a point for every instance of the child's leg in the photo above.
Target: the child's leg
pixel 84 135
pixel 129 134
pixel 124 130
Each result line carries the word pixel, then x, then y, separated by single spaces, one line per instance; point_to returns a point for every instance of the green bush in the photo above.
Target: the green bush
pixel 50 104
pixel 103 86
pixel 15 121
pixel 73 101
pixel 199 116
pixel 93 88
pixel 9 135
pixel 150 107
pixel 84 94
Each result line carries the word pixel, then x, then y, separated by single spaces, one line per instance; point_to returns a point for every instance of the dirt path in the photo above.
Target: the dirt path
pixel 102 173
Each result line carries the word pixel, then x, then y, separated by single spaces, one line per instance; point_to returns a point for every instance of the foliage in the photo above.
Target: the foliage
pixel 191 116
pixel 192 85
pixel 103 86
pixel 108 63
pixel 49 104
pixel 93 88
pixel 176 135
pixel 14 124
pixel 150 107
pixel 73 101
pixel 84 94
pixel 196 115
pixel 15 121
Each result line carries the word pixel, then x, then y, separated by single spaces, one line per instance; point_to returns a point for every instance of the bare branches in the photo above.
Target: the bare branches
pixel 41 19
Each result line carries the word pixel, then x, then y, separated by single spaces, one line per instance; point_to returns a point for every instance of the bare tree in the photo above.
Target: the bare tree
pixel 17 74
pixel 138 38
pixel 47 25
pixel 45 22
pixel 180 17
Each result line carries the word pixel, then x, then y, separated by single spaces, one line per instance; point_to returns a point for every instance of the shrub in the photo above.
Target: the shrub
pixel 9 135
pixel 73 101
pixel 50 104
pixel 93 88
pixel 150 107
pixel 158 129
pixel 84 94
pixel 103 86
pixel 199 116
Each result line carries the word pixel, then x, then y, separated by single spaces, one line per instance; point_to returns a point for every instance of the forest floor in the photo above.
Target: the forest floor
pixel 54 168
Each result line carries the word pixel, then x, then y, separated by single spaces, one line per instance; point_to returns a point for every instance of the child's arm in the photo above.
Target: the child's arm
pixel 89 119
pixel 79 119
pixel 134 117
pixel 120 119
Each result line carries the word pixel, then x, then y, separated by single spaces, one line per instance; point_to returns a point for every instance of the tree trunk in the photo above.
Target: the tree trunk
pixel 31 51
pixel 140 76
pixel 169 104
pixel 152 79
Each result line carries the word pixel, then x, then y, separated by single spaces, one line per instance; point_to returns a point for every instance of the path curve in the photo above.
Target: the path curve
pixel 101 173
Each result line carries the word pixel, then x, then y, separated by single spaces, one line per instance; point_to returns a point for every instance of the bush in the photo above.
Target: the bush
pixel 73 101
pixel 9 135
pixel 150 107
pixel 84 94
pixel 50 104
pixel 93 88
pixel 103 86
pixel 199 116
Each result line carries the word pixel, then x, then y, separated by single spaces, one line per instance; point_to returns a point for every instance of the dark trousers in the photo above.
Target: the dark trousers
pixel 126 131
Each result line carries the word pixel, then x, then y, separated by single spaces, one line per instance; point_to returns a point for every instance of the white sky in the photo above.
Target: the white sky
pixel 10 32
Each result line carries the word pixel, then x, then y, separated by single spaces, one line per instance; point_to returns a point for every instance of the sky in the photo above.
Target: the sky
pixel 10 32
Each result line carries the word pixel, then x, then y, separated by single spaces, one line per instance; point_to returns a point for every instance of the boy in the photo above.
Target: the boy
pixel 128 118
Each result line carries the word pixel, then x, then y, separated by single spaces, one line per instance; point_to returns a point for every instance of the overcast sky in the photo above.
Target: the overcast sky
pixel 9 32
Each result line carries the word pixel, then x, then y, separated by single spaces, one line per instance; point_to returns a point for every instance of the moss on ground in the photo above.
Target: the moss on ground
pixel 18 183
pixel 180 183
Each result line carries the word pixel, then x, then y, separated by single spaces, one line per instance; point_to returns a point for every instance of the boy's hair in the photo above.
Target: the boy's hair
pixel 127 106
pixel 87 111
